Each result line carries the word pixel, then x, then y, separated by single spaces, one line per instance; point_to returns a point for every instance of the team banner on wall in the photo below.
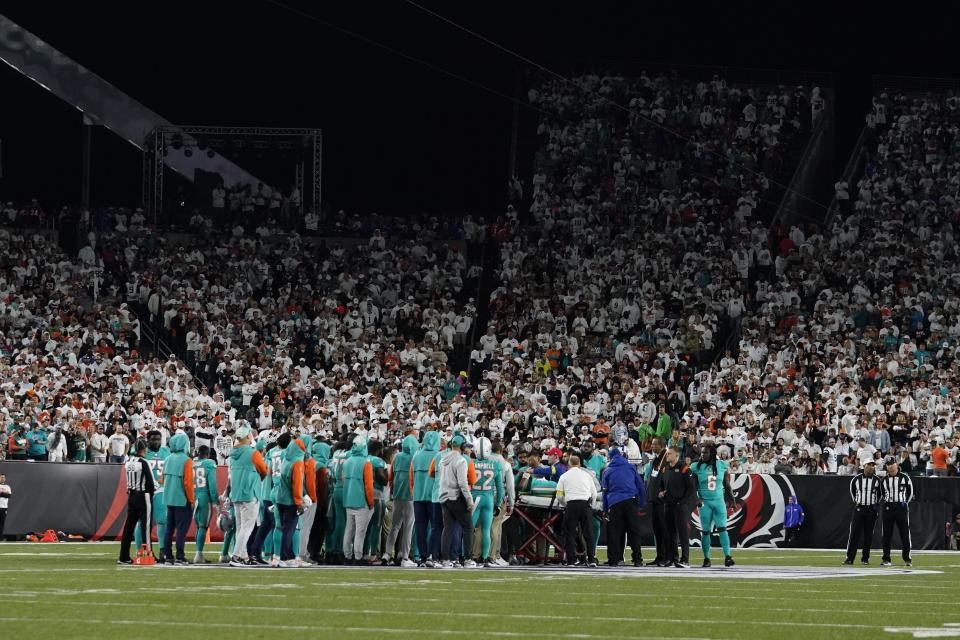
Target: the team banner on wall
pixel 91 500
pixel 78 498
pixel 756 519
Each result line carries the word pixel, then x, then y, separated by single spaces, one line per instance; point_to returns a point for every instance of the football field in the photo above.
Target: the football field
pixel 76 591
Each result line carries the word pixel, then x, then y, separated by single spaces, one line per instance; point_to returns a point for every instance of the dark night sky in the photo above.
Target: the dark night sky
pixel 399 137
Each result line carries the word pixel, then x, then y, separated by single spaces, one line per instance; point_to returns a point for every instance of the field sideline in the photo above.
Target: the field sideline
pixel 76 591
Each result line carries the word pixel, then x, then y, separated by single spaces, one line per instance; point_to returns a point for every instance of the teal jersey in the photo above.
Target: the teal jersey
pixel 155 460
pixel 205 481
pixel 596 463
pixel 336 463
pixel 274 470
pixel 710 484
pixel 489 478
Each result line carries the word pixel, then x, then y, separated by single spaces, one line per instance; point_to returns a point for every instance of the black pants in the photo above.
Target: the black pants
pixel 678 530
pixel 265 529
pixel 896 515
pixel 3 521
pixel 178 521
pixel 861 531
pixel 624 521
pixel 317 532
pixel 288 526
pixel 577 520
pixel 138 514
pixel 658 518
pixel 455 511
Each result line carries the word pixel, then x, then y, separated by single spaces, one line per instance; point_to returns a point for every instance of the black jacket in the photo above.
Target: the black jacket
pixel 680 485
pixel 655 483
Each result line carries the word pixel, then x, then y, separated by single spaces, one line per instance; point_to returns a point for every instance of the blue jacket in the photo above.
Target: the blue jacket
pixel 550 471
pixel 792 515
pixel 621 482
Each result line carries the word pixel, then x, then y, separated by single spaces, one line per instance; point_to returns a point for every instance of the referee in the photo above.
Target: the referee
pixel 866 492
pixel 140 490
pixel 897 494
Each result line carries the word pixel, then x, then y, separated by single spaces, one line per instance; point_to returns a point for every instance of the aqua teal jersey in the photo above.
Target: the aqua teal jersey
pixel 155 460
pixel 710 484
pixel 377 463
pixel 205 481
pixel 489 478
pixel 274 469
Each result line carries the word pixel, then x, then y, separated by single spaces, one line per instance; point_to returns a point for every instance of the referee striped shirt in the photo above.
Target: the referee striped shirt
pixel 139 476
pixel 865 490
pixel 898 488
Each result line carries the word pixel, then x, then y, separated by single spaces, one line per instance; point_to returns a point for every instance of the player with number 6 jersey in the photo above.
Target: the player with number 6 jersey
pixel 713 482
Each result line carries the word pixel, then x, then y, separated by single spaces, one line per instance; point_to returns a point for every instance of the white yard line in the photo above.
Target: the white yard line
pixel 334 629
pixel 195 605
pixel 484 615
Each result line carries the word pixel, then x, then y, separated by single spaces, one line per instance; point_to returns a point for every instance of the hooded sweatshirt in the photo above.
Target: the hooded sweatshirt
pixel 290 490
pixel 247 469
pixel 321 454
pixel 621 482
pixel 423 484
pixel 178 473
pixel 356 476
pixel 401 476
pixel 309 469
pixel 453 477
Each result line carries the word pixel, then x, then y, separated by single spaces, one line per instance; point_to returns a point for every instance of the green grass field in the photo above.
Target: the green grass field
pixel 76 591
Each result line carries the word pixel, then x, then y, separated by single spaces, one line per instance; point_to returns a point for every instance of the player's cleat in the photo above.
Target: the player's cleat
pixel 385 561
pixel 124 561
pixel 865 562
pixel 275 561
pixel 469 564
pixel 260 562
pixel 288 564
pixel 886 563
pixel 430 563
pixel 237 562
pixel 908 564
pixel 848 562
pixel 407 563
pixel 446 564
pixel 487 564
pixel 728 562
pixel 639 564
pixel 224 559
pixel 199 559
pixel 655 563
pixel 500 562
pixel 592 563
pixel 681 565
pixel 706 563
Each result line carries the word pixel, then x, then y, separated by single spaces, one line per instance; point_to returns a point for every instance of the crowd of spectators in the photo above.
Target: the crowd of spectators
pixel 645 246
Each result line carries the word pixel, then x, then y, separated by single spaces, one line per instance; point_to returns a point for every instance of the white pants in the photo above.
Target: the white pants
pixel 55 455
pixel 246 519
pixel 306 524
pixel 401 527
pixel 356 531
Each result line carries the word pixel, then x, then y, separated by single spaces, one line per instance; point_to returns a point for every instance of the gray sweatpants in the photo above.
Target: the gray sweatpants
pixel 356 532
pixel 402 527
pixel 246 519
pixel 306 524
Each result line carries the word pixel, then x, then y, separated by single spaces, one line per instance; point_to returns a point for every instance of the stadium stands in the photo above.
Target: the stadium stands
pixel 639 289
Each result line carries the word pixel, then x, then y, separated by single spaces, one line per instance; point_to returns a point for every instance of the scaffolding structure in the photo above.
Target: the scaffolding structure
pixel 166 139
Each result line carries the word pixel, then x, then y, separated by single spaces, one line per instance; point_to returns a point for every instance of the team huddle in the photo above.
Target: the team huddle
pixel 432 501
